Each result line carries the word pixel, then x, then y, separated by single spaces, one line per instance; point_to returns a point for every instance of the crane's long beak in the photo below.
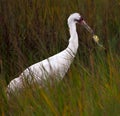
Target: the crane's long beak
pixel 85 25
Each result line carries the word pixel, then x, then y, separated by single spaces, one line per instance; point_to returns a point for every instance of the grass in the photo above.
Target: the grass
pixel 31 31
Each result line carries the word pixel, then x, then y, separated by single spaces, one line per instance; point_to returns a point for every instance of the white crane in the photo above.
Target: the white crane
pixel 54 66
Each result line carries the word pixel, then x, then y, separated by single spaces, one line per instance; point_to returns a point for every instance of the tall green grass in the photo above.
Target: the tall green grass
pixel 31 31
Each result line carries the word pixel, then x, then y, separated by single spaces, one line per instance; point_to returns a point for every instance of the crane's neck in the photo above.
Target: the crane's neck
pixel 73 41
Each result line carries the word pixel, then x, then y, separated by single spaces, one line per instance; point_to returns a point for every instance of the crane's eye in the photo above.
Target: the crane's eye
pixel 79 20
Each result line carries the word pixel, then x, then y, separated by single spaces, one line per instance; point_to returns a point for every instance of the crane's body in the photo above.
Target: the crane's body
pixel 54 66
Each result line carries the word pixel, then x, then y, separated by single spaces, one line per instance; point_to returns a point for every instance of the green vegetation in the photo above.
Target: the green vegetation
pixel 32 30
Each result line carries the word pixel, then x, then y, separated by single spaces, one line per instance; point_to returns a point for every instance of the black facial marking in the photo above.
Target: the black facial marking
pixel 80 20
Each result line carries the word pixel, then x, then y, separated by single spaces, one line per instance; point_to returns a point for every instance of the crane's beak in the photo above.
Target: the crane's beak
pixel 85 25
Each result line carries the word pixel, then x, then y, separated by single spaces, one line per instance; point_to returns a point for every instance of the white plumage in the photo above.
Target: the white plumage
pixel 54 66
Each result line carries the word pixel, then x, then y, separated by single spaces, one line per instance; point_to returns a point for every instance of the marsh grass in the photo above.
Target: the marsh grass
pixel 31 31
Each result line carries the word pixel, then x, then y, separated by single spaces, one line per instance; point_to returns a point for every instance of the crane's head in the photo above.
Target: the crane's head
pixel 77 18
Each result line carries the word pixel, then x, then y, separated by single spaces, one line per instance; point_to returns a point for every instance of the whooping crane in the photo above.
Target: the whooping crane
pixel 54 66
